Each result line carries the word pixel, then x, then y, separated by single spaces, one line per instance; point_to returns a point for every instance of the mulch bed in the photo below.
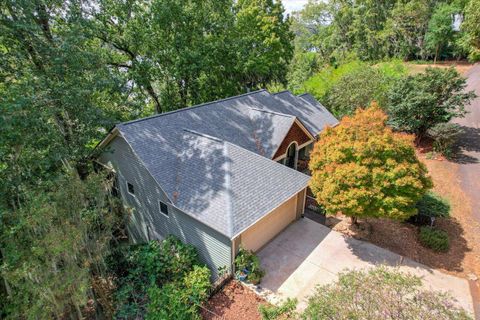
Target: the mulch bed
pixel 233 301
pixel 463 257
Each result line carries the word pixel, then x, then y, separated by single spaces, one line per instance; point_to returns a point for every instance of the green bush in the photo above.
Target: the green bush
pixel 444 135
pixel 379 293
pixel 180 300
pixel 247 260
pixel 286 309
pixel 434 239
pixel 354 84
pixel 320 83
pixel 355 89
pixel 433 205
pixel 152 264
pixel 419 102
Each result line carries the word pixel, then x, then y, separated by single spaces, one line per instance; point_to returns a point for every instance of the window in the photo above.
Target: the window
pixel 130 188
pixel 163 208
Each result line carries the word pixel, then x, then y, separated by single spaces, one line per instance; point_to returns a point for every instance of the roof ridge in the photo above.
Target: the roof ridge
pixel 228 190
pixel 204 135
pixel 273 112
pixel 283 91
pixel 190 108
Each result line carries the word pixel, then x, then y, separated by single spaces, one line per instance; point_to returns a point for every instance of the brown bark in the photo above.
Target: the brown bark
pixel 354 220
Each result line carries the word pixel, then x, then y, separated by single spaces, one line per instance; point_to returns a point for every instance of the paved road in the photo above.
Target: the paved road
pixel 469 160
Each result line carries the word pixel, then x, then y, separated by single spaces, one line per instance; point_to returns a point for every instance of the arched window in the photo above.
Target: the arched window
pixel 291 159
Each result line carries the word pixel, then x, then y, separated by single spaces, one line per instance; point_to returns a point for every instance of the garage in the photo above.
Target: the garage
pixel 269 226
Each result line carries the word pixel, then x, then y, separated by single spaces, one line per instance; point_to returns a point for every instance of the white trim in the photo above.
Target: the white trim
pixel 160 208
pixel 112 134
pixel 300 124
pixel 299 147
pixel 128 191
pixel 296 153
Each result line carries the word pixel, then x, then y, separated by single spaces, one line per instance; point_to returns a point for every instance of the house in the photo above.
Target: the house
pixel 217 175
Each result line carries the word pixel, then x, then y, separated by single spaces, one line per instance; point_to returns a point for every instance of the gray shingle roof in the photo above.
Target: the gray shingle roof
pixel 229 187
pixel 213 160
pixel 312 113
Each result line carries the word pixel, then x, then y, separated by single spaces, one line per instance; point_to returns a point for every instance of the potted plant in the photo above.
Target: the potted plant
pixel 248 267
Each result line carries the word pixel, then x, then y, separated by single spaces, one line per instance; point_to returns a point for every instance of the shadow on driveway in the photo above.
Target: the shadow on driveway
pixel 307 254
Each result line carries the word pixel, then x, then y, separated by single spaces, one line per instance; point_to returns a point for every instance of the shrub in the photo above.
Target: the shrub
pixel 444 135
pixel 285 310
pixel 434 239
pixel 180 300
pixel 139 267
pixel 433 205
pixel 356 89
pixel 320 83
pixel 247 260
pixel 354 84
pixel 419 102
pixel 379 293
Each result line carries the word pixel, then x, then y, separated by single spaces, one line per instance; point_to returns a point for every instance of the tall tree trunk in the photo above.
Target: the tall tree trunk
pixel 436 54
pixel 153 95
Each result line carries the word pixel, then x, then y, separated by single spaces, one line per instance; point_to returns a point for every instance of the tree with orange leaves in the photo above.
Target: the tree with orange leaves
pixel 362 168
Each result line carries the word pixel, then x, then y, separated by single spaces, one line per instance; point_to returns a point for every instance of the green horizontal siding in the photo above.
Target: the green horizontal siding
pixel 147 222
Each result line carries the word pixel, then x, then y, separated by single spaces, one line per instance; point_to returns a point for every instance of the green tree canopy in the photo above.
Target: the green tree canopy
pixel 440 31
pixel 419 102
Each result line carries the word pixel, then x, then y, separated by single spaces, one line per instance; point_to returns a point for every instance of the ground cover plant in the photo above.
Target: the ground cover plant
pixel 158 280
pixel 389 295
pixel 434 239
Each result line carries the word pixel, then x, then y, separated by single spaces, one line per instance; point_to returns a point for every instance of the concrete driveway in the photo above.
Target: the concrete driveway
pixel 307 254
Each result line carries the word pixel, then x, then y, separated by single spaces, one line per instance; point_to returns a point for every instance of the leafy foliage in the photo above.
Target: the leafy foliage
pixel 247 261
pixel 373 31
pixel 141 267
pixel 49 241
pixel 264 42
pixel 434 239
pixel 471 36
pixel 285 310
pixel 389 294
pixel 354 85
pixel 433 205
pixel 322 82
pixel 440 33
pixel 421 101
pixel 354 90
pixel 363 169
pixel 180 300
pixel 444 135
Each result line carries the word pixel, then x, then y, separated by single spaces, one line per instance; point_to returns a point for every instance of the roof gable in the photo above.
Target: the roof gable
pixel 214 160
pixel 305 107
pixel 295 134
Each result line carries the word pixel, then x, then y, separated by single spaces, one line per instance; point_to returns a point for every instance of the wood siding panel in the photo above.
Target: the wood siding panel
pixel 294 134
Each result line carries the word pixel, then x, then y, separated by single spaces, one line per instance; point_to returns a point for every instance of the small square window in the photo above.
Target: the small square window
pixel 130 188
pixel 163 208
